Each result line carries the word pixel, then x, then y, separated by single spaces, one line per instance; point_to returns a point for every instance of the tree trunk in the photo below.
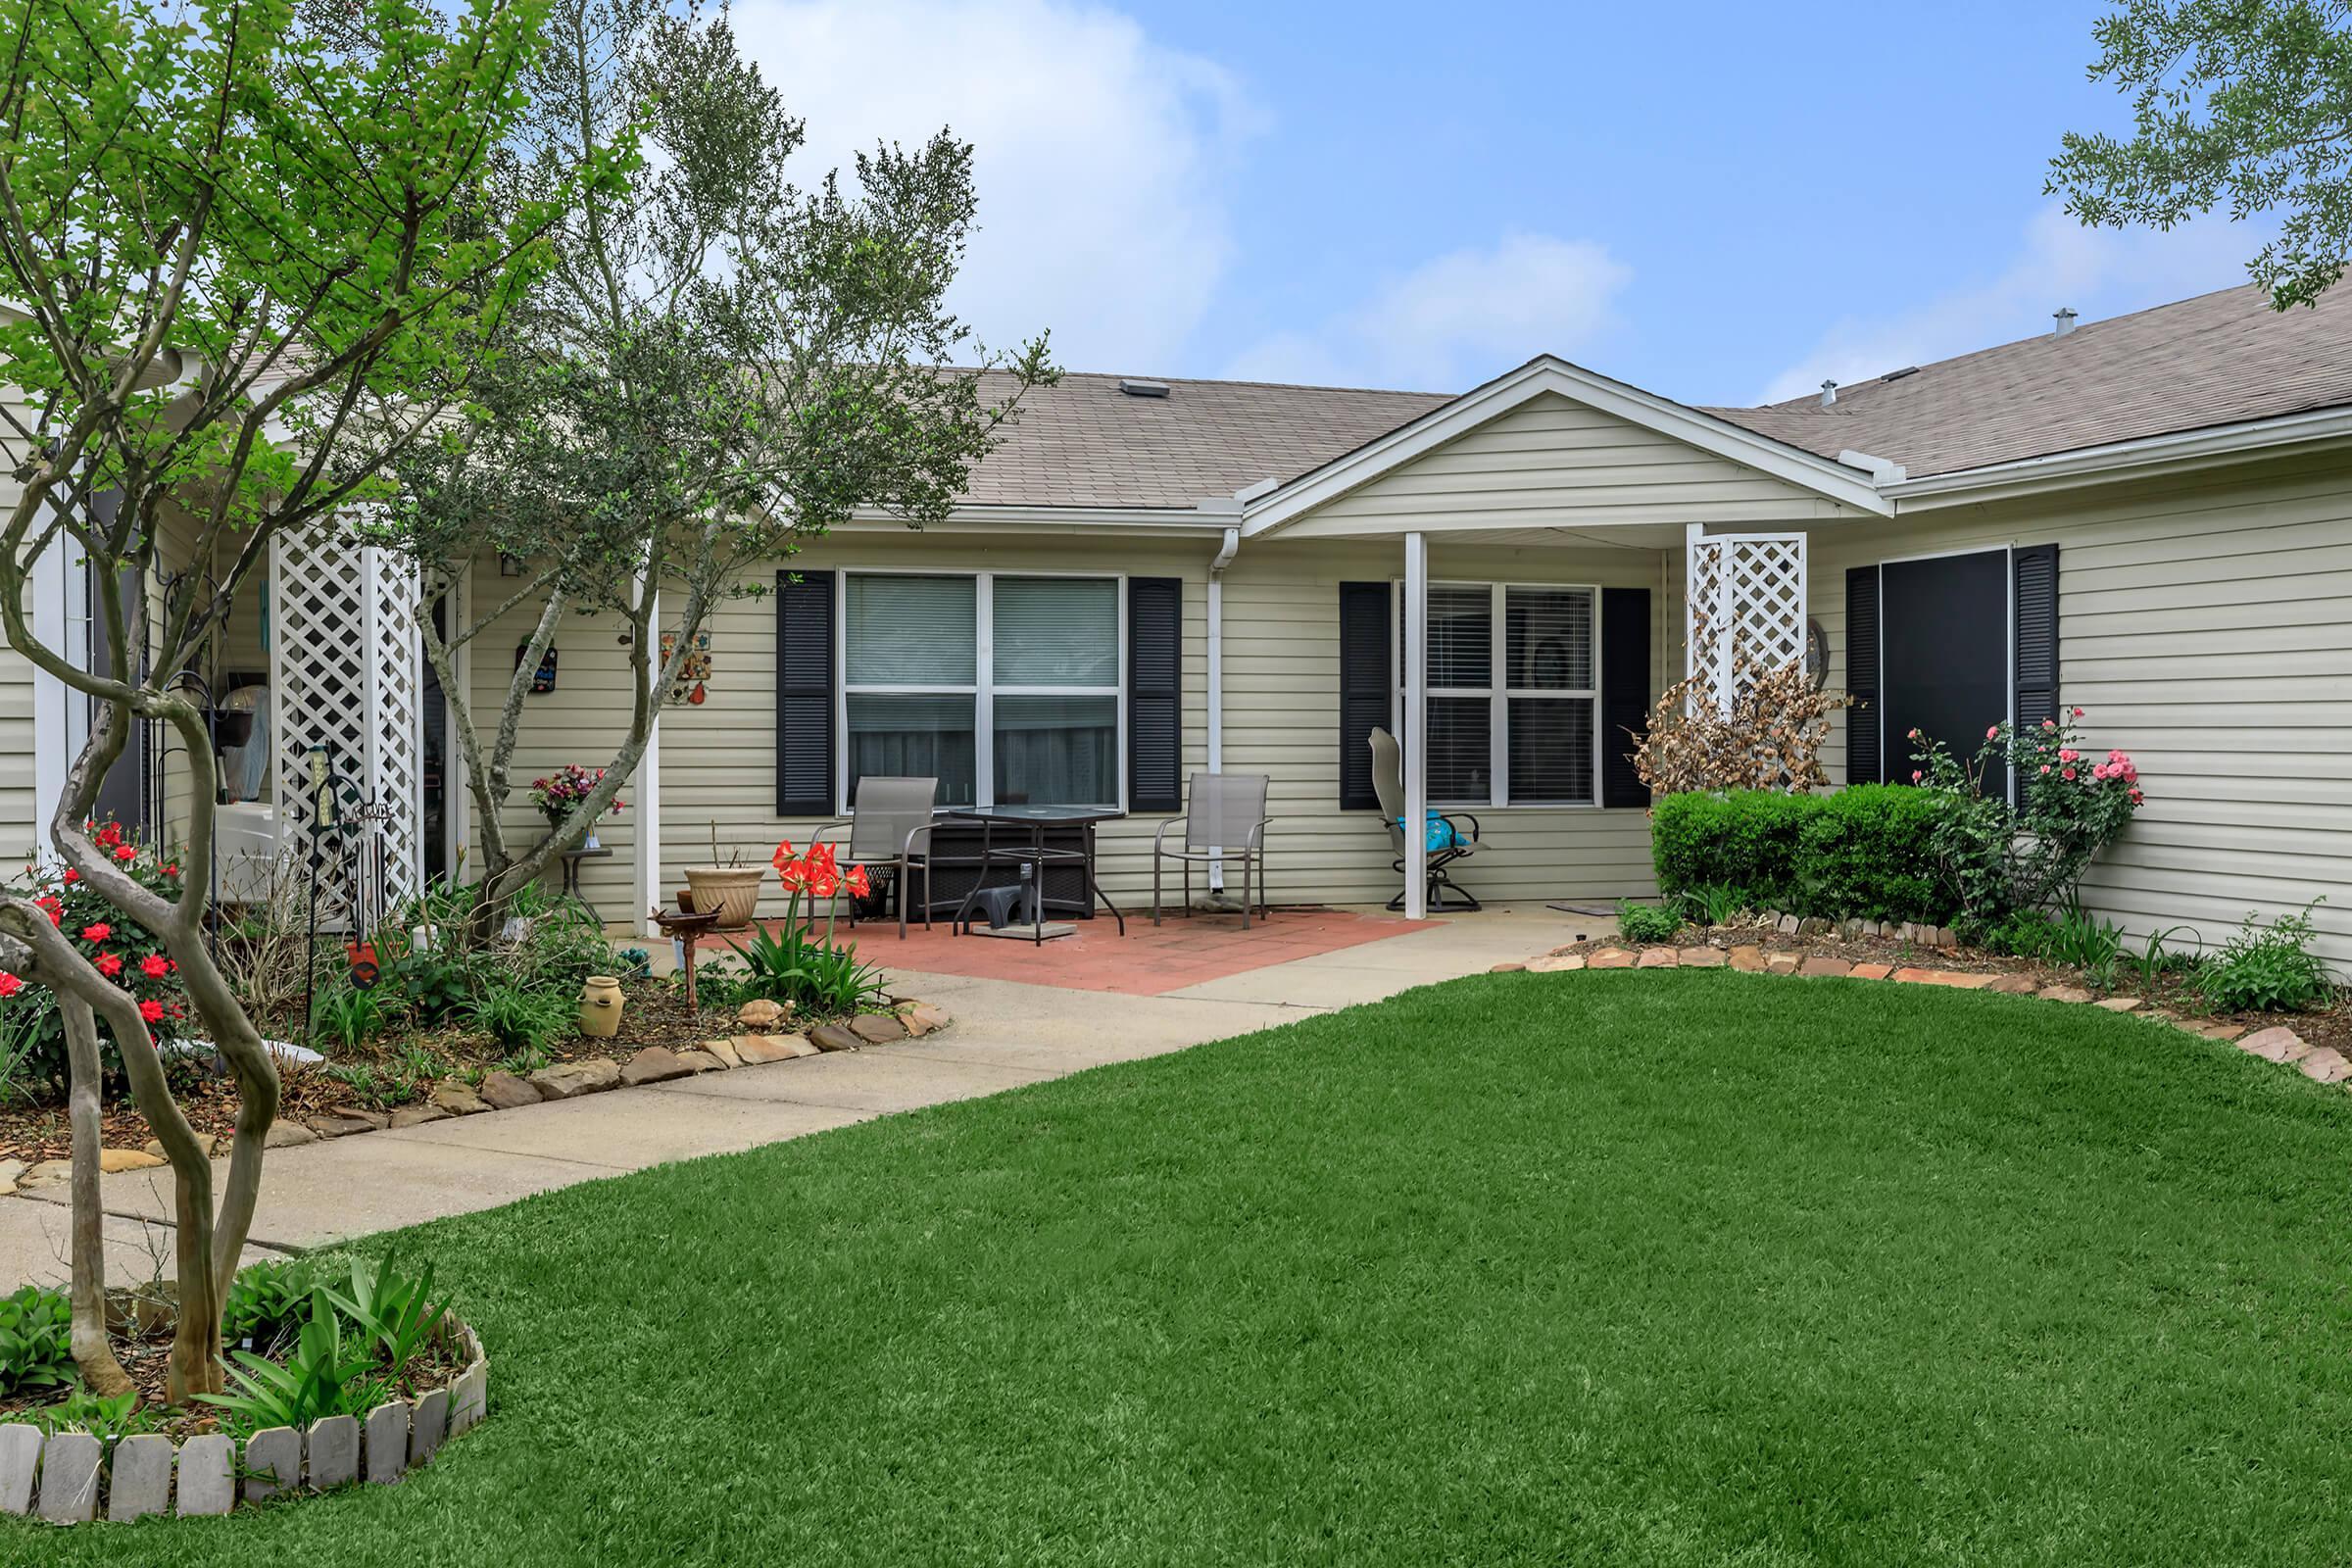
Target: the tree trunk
pixel 91 1352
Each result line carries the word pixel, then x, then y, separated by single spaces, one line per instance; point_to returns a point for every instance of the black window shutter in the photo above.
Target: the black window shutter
pixel 1365 673
pixel 804 695
pixel 2036 569
pixel 1155 694
pixel 1624 693
pixel 1864 762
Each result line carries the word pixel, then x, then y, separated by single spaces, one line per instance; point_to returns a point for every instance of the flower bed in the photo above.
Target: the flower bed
pixel 77 1476
pixel 1777 943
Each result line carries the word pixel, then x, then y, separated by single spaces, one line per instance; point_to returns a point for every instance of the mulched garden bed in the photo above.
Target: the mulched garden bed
pixel 140 1333
pixel 2171 994
pixel 654 1014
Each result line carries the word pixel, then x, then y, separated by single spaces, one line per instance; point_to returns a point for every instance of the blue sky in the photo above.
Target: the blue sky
pixel 1722 203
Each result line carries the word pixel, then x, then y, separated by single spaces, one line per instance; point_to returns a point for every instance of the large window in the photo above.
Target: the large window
pixel 1005 688
pixel 1514 694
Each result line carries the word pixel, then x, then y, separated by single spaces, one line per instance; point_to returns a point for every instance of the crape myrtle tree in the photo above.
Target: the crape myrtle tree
pixel 248 257
pixel 717 365
pixel 2237 104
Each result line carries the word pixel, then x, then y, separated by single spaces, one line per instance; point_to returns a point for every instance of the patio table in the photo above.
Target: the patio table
pixel 1033 856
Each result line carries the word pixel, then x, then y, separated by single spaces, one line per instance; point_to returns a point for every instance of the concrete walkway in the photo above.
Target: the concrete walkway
pixel 1005 1034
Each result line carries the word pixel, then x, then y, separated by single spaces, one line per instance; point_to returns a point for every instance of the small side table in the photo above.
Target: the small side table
pixel 571 868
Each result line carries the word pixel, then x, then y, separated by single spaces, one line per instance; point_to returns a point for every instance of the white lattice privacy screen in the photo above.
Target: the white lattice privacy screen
pixel 347 670
pixel 1747 600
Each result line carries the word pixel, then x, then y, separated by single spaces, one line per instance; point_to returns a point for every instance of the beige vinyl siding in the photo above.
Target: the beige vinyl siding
pixel 1281 717
pixel 2207 629
pixel 20 834
pixel 1554 462
pixel 718 759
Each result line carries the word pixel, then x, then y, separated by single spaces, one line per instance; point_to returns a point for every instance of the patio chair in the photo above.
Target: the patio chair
pixel 1388 783
pixel 890 814
pixel 1225 819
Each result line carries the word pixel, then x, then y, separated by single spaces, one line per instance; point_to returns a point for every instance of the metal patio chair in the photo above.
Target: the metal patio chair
pixel 1388 783
pixel 1225 819
pixel 889 816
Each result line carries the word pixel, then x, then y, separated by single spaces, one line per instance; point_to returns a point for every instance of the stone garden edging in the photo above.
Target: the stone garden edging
pixel 58 1478
pixel 2277 1044
pixel 562 1080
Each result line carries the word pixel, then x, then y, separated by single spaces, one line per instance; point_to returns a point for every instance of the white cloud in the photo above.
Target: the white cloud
pixel 1455 321
pixel 1099 154
pixel 2096 273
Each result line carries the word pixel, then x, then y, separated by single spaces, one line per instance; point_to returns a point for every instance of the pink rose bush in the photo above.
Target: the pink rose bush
pixel 2000 854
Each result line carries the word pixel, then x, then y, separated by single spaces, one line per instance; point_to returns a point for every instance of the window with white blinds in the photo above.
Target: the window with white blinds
pixel 1006 688
pixel 1513 699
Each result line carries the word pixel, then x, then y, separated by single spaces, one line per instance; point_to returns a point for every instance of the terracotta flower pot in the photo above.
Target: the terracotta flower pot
pixel 732 892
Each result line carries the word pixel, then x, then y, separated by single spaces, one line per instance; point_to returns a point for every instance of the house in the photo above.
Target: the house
pixel 2149 518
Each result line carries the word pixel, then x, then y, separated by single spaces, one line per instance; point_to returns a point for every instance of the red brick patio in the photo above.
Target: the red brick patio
pixel 1148 961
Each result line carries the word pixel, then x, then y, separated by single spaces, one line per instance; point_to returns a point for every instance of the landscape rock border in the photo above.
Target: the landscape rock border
pixel 562 1080
pixel 60 1480
pixel 2277 1044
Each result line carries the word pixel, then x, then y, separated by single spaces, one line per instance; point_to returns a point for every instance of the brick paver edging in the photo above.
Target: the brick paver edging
pixel 62 1480
pixel 2319 1063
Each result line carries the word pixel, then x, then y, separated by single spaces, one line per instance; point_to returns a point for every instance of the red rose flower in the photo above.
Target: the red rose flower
pixel 10 985
pixel 110 964
pixel 152 1010
pixel 155 967
pixel 72 876
pixel 97 933
pixel 128 851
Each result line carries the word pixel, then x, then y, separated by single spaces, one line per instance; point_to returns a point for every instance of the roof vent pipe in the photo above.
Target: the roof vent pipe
pixel 1142 389
pixel 2065 319
pixel 1829 393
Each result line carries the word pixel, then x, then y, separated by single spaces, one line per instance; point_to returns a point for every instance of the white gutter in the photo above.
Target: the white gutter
pixel 2120 460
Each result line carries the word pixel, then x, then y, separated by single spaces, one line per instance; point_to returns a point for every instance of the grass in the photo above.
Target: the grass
pixel 1688 1268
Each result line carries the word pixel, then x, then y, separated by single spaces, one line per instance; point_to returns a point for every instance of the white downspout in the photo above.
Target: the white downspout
pixel 647 880
pixel 1416 725
pixel 1226 551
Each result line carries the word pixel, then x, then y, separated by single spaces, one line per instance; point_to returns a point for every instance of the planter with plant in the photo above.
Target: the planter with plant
pixel 559 794
pixel 730 890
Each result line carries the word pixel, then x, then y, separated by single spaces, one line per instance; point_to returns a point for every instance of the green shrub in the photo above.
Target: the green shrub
pixel 347 1020
pixel 2259 970
pixel 1729 838
pixel 1646 922
pixel 37 1350
pixel 1863 853
pixel 1716 904
pixel 1860 854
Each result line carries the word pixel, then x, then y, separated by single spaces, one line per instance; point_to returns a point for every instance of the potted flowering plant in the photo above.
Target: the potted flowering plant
pixel 559 791
pixel 124 952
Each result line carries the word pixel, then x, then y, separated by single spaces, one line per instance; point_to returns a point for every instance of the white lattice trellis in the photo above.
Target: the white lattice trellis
pixel 347 672
pixel 1747 602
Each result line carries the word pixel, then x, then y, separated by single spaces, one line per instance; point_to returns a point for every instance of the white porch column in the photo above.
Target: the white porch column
pixel 649 793
pixel 1416 725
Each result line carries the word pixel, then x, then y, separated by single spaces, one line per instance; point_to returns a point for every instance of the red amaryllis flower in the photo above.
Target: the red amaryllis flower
pixel 855 881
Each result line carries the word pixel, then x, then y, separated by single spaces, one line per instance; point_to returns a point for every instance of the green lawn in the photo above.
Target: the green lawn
pixel 1667 1268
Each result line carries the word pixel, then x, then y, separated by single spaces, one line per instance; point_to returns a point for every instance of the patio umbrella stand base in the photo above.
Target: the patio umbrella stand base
pixel 1026 933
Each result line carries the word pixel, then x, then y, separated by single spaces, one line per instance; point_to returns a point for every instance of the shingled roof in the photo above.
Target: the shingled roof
pixel 1086 443
pixel 2218 359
